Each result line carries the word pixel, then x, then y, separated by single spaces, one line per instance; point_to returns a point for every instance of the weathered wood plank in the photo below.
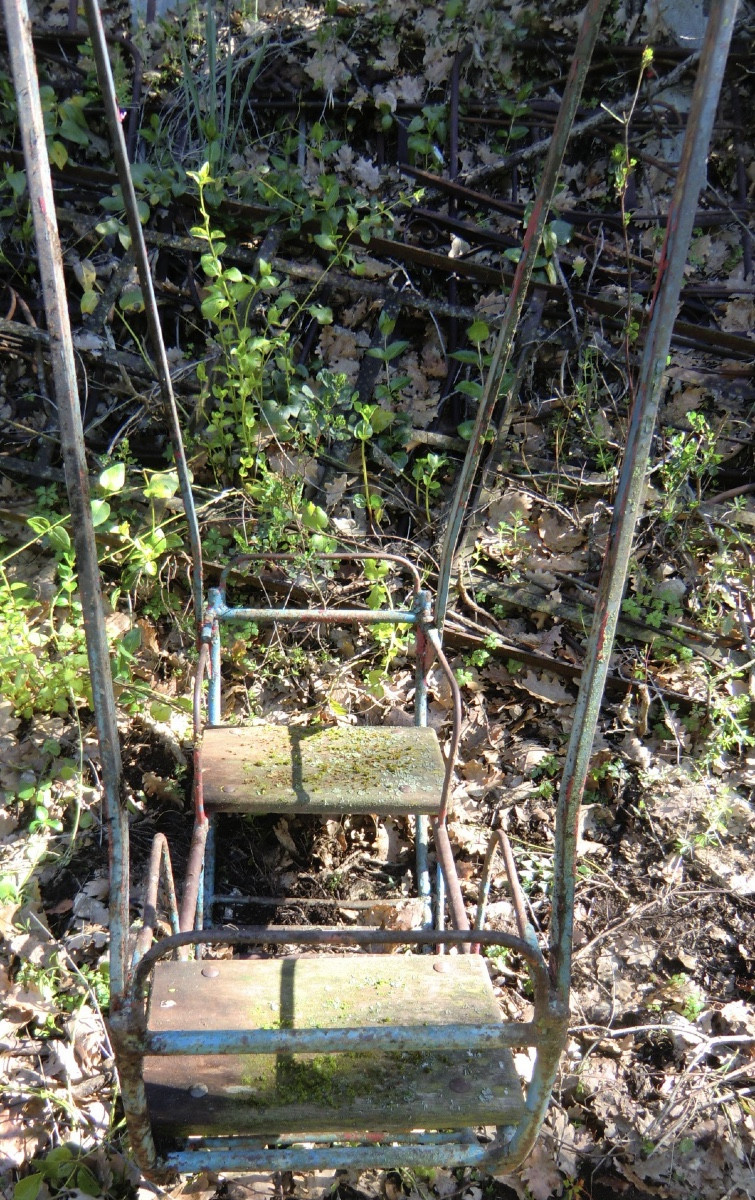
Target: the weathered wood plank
pixel 267 1094
pixel 278 768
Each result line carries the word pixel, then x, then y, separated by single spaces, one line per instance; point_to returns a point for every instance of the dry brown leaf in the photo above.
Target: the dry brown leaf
pixel 15 1142
pixel 545 687
pixel 284 837
pixel 558 535
pixel 541 1174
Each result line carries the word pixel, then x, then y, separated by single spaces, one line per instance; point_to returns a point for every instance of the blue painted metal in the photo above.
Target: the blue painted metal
pixel 421 822
pixel 332 1158
pixel 323 616
pixel 214 703
pixel 458 1137
pixel 333 1041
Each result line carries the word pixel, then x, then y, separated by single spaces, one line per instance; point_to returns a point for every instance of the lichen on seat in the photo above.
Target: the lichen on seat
pixel 334 769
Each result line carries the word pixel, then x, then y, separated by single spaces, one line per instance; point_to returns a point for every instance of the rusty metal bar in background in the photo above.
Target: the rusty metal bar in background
pixel 162 369
pixel 691 176
pixel 50 261
pixel 530 249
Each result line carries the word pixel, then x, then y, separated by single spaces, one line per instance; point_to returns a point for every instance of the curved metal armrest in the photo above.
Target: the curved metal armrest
pixel 345 556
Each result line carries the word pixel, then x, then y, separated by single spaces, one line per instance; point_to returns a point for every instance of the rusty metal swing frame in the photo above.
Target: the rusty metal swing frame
pixel 130 976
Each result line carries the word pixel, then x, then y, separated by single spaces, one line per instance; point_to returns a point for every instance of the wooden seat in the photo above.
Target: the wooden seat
pixel 301 769
pixel 213 1095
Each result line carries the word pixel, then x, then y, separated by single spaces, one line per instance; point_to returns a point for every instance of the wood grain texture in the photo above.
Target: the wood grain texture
pixel 373 1090
pixel 301 769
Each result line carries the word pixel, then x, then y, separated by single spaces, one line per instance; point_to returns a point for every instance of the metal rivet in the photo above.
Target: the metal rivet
pixel 198 1091
pixel 210 972
pixel 442 966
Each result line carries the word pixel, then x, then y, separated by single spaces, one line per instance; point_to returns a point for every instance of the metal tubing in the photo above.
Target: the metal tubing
pixel 42 203
pixel 310 1158
pixel 451 879
pixel 630 491
pixel 335 1041
pixel 433 638
pixel 517 296
pixel 133 1092
pixel 342 1135
pixel 295 935
pixel 210 899
pixel 440 832
pixel 193 875
pixel 324 616
pixel 200 817
pixel 214 697
pixel 159 867
pixel 162 369
pixel 421 822
pixel 514 1150
pixel 498 841
pixel 346 556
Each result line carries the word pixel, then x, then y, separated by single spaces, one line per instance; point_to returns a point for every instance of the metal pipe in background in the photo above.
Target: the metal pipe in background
pixel 530 248
pixel 50 261
pixel 690 179
pixel 107 88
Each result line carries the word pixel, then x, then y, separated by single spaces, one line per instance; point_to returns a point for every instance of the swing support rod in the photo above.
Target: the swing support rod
pixel 690 179
pixel 49 257
pixel 530 249
pixel 160 364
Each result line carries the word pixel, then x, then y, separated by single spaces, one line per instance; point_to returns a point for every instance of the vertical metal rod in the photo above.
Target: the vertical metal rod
pixel 689 181
pixel 107 87
pixel 21 50
pixel 209 871
pixel 214 698
pixel 421 822
pixel 517 296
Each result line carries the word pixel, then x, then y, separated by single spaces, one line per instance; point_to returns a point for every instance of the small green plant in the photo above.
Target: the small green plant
pixel 650 605
pixel 477 333
pixel 692 998
pixel 339 216
pixel 544 775
pixel 372 418
pixel 477 658
pixel 622 164
pixel 512 536
pixel 390 391
pixel 498 956
pixel 425 472
pixel 62 1170
pixel 426 135
pixel 690 458
pixel 712 827
pixel 514 107
pixel 583 414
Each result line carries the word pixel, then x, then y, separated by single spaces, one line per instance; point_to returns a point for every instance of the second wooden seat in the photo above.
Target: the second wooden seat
pixel 333 769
